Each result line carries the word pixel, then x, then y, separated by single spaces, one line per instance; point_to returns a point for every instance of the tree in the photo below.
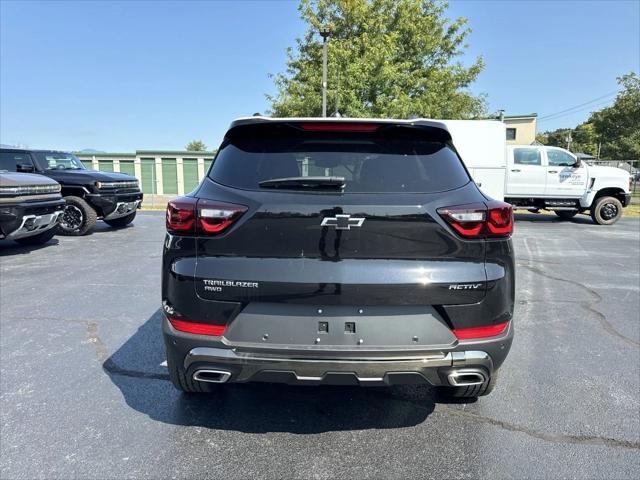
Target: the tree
pixel 585 139
pixel 618 126
pixel 386 58
pixel 196 146
pixel 555 138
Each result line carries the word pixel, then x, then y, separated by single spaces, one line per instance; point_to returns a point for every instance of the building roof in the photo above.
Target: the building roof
pixel 523 117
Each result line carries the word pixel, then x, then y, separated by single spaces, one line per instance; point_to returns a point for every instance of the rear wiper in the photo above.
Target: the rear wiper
pixel 312 183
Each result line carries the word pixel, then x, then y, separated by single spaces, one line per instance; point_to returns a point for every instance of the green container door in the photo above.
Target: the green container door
pixel 148 174
pixel 105 165
pixel 126 166
pixel 190 174
pixel 87 164
pixel 169 176
pixel 207 164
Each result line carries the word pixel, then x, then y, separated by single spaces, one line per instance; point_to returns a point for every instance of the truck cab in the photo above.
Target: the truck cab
pixel 552 178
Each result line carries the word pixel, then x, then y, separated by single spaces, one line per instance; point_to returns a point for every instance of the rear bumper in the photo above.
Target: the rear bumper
pixel 336 365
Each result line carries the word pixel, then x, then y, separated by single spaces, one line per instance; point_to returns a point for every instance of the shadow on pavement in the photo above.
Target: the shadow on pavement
pixel 550 218
pixel 103 227
pixel 9 247
pixel 258 407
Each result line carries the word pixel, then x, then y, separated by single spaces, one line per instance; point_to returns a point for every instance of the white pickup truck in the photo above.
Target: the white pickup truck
pixel 535 178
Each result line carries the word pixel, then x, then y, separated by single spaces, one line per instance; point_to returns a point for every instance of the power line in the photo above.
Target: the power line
pixel 547 117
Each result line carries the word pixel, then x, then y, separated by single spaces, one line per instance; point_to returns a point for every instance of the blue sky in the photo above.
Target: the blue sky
pixel 120 76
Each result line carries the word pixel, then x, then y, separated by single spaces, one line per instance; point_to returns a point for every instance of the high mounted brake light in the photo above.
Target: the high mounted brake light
pixel 479 220
pixel 188 215
pixel 338 127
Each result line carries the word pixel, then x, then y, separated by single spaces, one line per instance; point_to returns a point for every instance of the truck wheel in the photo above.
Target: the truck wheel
pixel 606 210
pixel 39 239
pixel 122 221
pixel 471 391
pixel 183 382
pixel 78 217
pixel 566 214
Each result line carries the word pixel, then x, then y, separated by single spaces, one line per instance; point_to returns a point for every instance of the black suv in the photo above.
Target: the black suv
pixel 352 252
pixel 89 194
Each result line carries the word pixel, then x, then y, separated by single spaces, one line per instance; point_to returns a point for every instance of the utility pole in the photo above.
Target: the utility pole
pixel 324 33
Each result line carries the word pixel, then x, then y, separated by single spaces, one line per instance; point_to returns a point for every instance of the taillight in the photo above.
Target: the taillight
pixel 198 216
pixel 215 217
pixel 181 215
pixel 478 220
pixel 197 328
pixel 480 332
pixel 499 219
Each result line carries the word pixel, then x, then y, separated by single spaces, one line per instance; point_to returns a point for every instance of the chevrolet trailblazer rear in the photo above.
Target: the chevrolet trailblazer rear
pixel 350 252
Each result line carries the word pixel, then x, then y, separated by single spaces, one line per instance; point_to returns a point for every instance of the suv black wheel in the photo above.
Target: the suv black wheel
pixel 78 217
pixel 183 382
pixel 39 239
pixel 122 221
pixel 566 214
pixel 606 210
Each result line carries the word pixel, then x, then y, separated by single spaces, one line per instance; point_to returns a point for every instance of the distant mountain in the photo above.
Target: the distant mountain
pixel 91 150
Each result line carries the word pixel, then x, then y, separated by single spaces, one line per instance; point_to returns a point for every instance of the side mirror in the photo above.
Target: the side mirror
pixel 578 163
pixel 24 168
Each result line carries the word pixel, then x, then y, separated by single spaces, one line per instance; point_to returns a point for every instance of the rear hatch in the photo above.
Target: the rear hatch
pixel 337 214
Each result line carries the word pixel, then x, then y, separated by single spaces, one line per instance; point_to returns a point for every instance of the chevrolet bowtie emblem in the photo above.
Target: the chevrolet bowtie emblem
pixel 342 222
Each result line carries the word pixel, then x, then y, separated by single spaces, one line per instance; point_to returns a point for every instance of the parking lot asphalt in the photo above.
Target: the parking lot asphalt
pixel 83 393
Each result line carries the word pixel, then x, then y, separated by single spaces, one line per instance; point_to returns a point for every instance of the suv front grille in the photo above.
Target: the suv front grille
pixel 11 191
pixel 124 185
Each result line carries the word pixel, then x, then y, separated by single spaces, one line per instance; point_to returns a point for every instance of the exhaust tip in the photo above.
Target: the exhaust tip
pixel 212 376
pixel 465 378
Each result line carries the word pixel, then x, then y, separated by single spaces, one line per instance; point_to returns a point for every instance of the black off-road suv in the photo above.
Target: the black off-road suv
pixel 89 194
pixel 353 252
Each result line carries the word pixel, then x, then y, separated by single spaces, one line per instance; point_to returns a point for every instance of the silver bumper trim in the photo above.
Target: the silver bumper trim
pixel 35 224
pixel 123 209
pixel 310 369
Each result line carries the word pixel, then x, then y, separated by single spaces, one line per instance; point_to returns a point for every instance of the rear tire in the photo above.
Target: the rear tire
pixel 39 239
pixel 471 391
pixel 566 214
pixel 183 382
pixel 122 221
pixel 606 210
pixel 78 217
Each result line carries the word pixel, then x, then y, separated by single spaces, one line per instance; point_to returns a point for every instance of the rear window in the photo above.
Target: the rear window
pixel 369 163
pixel 526 156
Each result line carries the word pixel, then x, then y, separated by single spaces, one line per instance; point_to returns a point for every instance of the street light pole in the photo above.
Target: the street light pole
pixel 324 33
